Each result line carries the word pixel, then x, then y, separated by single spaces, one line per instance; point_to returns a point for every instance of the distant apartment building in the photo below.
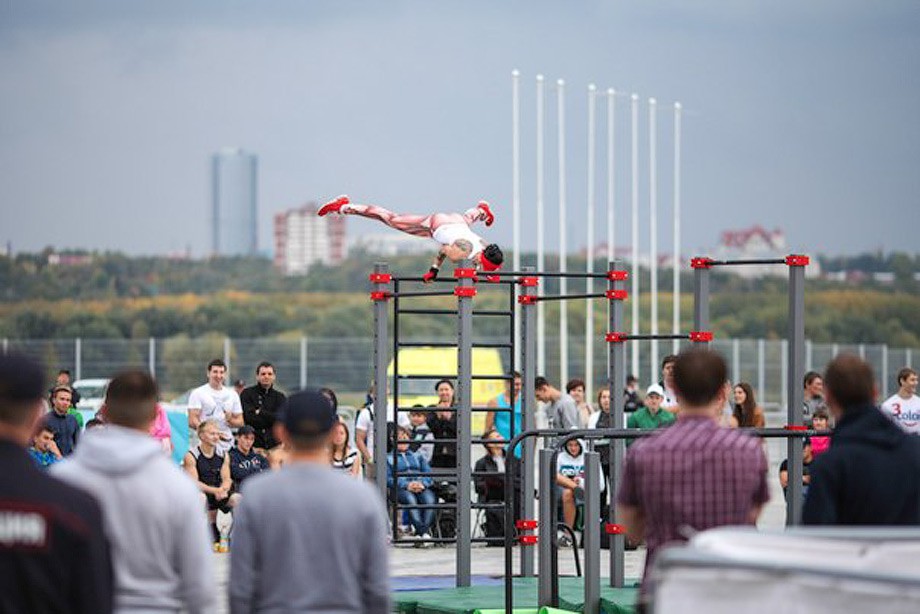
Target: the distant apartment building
pixel 758 243
pixel 302 239
pixel 234 226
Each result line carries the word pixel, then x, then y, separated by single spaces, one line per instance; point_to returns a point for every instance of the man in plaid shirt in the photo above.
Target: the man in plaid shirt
pixel 694 475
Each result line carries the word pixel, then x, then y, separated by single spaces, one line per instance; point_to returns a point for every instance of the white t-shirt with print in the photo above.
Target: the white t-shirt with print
pixel 574 467
pixel 217 405
pixel 904 412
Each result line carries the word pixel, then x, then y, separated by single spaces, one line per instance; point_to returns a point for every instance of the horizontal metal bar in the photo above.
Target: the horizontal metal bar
pixel 430 376
pixel 449 278
pixel 422 293
pixel 449 344
pixel 505 410
pixel 744 261
pixel 549 274
pixel 453 312
pixel 630 337
pixel 564 297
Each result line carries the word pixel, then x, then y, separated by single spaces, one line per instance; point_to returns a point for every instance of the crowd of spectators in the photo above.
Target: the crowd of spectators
pixel 237 438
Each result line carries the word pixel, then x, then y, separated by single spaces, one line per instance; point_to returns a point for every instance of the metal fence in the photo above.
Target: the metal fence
pixel 346 364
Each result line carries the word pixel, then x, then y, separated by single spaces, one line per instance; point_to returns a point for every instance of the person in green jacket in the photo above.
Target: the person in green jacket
pixel 651 415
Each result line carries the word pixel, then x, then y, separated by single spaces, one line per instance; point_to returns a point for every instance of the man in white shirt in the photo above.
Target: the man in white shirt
pixel 451 230
pixel 667 383
pixel 904 407
pixel 214 401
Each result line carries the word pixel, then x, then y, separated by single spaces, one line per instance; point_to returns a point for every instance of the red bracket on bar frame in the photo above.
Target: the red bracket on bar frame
pixel 526 525
pixel 617 295
pixel 617 275
pixel 614 529
pixel 380 296
pixel 701 263
pixel 465 273
pixel 465 292
pixel 616 337
pixel 529 281
pixel 526 299
pixel 380 278
pixel 529 540
pixel 795 427
pixel 701 336
pixel 797 260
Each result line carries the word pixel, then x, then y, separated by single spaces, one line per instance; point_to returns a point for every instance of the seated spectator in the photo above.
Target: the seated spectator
pixel 43 449
pixel 650 415
pixel 341 454
pixel 244 460
pixel 161 431
pixel 491 488
pixel 570 480
pixel 820 421
pixel 443 423
pixel 603 419
pixel 576 390
pixel 420 432
pixel 807 457
pixel 211 471
pixel 746 412
pixel 412 489
pixel 64 425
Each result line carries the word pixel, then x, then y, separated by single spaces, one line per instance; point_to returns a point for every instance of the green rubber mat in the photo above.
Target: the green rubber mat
pixel 469 600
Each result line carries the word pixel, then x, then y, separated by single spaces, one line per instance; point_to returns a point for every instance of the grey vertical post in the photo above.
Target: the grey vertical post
pixel 463 408
pixel 736 360
pixel 794 392
pixel 809 355
pixel 761 369
pixel 885 371
pixel 528 415
pixel 381 358
pixel 701 275
pixel 152 356
pixel 592 532
pixel 908 358
pixel 546 529
pixel 303 363
pixel 227 359
pixel 616 358
pixel 78 358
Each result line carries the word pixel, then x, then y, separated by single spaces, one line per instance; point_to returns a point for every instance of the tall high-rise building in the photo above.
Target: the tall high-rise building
pixel 234 229
pixel 302 239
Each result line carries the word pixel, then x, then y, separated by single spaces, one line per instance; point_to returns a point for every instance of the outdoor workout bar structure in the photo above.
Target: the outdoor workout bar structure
pixel 528 298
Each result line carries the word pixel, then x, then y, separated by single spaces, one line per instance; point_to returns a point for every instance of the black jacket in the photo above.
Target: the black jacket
pixel 489 487
pixel 869 476
pixel 445 454
pixel 54 556
pixel 260 409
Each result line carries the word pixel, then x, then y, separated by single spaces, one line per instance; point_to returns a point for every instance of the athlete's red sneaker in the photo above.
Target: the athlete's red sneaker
pixel 333 206
pixel 488 216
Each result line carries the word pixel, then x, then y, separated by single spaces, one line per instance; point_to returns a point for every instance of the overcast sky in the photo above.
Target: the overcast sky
pixel 798 115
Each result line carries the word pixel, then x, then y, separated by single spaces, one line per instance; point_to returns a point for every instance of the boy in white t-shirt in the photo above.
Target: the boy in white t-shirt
pixel 904 406
pixel 570 480
pixel 451 230
pixel 214 401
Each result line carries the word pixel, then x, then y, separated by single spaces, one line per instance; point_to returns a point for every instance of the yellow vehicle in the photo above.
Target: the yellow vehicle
pixel 432 360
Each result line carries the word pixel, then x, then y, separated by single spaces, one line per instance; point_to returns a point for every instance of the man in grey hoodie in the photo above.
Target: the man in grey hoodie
pixel 153 513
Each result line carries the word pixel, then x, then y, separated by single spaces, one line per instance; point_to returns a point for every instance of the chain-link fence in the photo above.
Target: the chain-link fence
pixel 345 364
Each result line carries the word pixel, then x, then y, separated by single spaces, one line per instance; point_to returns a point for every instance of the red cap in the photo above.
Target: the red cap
pixel 486 265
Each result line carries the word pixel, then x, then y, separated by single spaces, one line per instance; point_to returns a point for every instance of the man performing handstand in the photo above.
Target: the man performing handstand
pixel 451 230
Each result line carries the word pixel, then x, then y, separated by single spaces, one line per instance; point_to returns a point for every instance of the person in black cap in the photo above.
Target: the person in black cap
pixel 54 556
pixel 244 460
pixel 288 552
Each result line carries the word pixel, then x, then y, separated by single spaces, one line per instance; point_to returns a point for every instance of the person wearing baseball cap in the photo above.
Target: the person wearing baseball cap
pixel 55 556
pixel 289 552
pixel 650 415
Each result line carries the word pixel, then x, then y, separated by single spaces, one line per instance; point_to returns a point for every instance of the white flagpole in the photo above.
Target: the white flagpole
pixel 563 286
pixel 541 232
pixel 634 295
pixel 516 186
pixel 589 247
pixel 675 346
pixel 653 230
